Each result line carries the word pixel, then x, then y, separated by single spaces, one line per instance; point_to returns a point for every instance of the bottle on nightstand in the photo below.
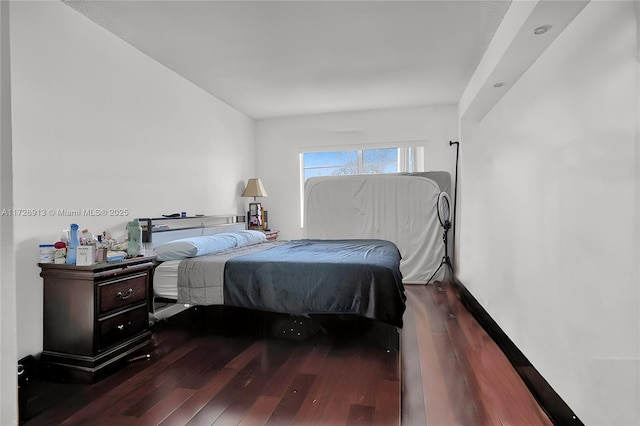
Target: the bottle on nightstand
pixel 74 243
pixel 134 243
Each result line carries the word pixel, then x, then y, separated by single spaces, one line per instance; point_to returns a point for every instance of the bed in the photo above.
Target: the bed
pixel 354 277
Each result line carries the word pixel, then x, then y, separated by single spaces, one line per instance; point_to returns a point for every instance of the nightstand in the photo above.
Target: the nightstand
pixel 271 235
pixel 95 317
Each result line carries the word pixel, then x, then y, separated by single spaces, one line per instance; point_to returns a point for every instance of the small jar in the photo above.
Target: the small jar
pixel 47 252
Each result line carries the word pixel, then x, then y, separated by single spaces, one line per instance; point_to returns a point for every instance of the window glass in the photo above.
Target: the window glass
pixel 378 161
pixel 334 163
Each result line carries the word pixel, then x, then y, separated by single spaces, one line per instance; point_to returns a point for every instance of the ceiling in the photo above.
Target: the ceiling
pixel 283 58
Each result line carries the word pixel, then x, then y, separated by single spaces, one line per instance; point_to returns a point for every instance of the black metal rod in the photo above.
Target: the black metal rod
pixel 445 259
pixel 455 198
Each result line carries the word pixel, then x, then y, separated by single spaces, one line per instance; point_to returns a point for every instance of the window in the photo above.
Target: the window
pixel 357 162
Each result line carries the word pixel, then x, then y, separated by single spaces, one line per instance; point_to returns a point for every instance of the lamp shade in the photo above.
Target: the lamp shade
pixel 254 189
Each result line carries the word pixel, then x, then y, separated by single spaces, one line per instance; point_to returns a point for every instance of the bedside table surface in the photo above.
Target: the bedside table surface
pixel 98 266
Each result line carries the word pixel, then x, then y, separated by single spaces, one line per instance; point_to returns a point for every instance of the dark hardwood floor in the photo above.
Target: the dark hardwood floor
pixel 447 372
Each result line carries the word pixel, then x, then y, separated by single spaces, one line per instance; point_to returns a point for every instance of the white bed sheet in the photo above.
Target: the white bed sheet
pixel 165 279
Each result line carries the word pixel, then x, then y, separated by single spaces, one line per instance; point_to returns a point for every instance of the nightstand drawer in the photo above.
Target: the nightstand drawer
pixel 122 292
pixel 117 328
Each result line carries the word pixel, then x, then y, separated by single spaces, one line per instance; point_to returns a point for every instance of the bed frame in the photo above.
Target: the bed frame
pixel 164 229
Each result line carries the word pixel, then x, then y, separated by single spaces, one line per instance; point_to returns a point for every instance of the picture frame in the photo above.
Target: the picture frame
pixel 255 216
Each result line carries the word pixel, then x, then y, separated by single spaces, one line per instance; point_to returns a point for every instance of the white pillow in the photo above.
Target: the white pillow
pixel 195 246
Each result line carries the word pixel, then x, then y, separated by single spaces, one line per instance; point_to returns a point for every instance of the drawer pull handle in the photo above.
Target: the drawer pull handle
pixel 121 326
pixel 122 296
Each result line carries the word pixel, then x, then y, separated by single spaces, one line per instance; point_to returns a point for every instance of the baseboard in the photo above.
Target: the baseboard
pixel 555 407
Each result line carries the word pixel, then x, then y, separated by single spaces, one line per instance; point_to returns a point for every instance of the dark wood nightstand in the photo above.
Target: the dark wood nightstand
pixel 95 317
pixel 271 235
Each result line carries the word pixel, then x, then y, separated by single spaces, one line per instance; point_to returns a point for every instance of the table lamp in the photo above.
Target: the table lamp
pixel 255 189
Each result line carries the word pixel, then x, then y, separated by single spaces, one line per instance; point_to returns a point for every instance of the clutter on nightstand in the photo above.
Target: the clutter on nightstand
pixel 82 248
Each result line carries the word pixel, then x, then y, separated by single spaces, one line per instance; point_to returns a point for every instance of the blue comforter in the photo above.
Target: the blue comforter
pixel 360 277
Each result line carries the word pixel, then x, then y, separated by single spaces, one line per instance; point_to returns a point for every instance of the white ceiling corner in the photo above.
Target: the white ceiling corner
pixel 514 49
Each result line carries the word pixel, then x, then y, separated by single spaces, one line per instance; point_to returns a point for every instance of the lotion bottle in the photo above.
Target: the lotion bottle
pixel 74 242
pixel 134 244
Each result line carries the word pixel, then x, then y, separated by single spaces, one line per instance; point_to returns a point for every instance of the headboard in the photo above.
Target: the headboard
pixel 159 230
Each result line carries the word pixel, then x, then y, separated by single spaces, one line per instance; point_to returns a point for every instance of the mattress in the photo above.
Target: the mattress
pixel 165 279
pixel 401 208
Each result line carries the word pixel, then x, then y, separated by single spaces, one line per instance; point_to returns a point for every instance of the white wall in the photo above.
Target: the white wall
pixel 97 124
pixel 280 140
pixel 549 214
pixel 8 342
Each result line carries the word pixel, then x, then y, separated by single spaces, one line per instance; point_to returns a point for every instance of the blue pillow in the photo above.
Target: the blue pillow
pixel 195 246
pixel 248 238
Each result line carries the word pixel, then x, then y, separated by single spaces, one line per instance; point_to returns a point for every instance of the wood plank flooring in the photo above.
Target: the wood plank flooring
pixel 464 378
pixel 447 372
